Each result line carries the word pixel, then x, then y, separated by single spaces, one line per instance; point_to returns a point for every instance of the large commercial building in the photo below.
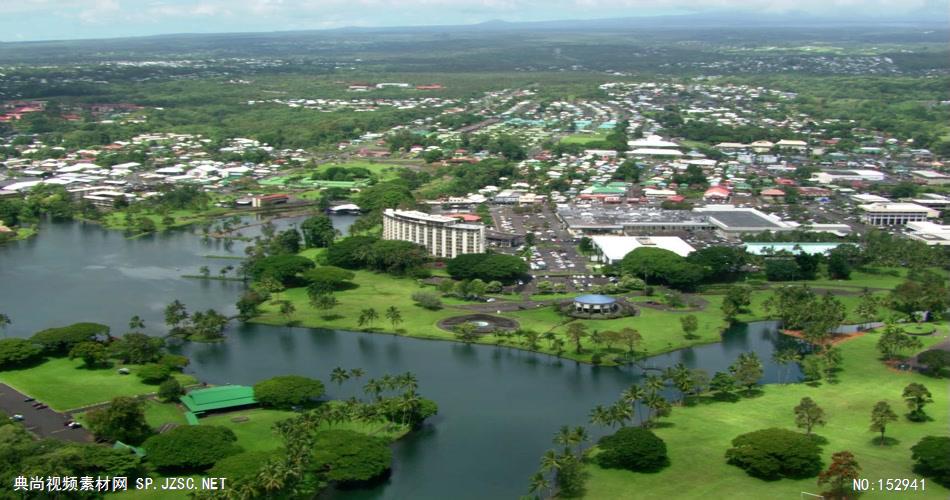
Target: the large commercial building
pixel 895 214
pixel 612 249
pixel 442 236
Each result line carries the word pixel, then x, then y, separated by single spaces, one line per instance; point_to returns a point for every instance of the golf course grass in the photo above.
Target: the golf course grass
pixel 64 384
pixel 697 436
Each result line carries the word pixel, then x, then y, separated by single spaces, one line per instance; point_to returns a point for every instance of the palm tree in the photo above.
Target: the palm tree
pixel 394 316
pixel 388 382
pixel 539 484
pixel 4 322
pixel 564 437
pixel 339 375
pixel 621 413
pixel 135 323
pixel 600 415
pixel 632 394
pixel 357 373
pixel 367 317
pixel 655 383
pixel 271 476
pixel 373 388
pixel 408 381
pixel 579 436
pixel 657 406
pixel 551 462
pixel 407 405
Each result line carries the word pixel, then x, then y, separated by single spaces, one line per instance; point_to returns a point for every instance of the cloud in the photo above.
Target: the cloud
pixel 92 18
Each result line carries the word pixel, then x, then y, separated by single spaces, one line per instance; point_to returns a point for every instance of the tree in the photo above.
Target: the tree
pixel 208 325
pixel 286 242
pixel 191 447
pixel 932 458
pixel 722 384
pixel 916 396
pixel 394 316
pixel 93 354
pixel 4 322
pixel 720 263
pixel 577 331
pixel 287 390
pixel 327 279
pixel 136 323
pixel 631 337
pixel 736 301
pixel 868 307
pixel 170 390
pixel 59 341
pixel 18 353
pixel 690 324
pixel 466 332
pixel 351 253
pixel 840 474
pixel 123 420
pixel 175 315
pixel 318 231
pixel 747 370
pixel 204 271
pixel 339 375
pixel 656 265
pixel 808 415
pixel 839 268
pixel 881 414
pixel 775 453
pixel 894 341
pixel 287 310
pixel 634 449
pixel 487 267
pixel 367 317
pixel 288 270
pixel 350 457
pixel 137 348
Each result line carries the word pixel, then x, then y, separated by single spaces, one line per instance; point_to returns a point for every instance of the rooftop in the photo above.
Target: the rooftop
pixel 217 398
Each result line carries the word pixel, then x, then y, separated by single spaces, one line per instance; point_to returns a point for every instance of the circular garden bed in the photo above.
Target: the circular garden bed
pixel 484 323
pixel 919 328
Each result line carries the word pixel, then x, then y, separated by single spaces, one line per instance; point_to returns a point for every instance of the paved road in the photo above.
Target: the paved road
pixel 45 422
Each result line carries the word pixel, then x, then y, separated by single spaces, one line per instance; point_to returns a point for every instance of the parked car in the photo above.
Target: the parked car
pixel 17 418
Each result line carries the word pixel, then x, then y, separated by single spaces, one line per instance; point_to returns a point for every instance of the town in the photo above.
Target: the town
pixel 357 264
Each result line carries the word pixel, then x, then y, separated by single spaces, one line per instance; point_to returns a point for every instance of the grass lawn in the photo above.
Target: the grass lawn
pixel 660 328
pixel 63 385
pixel 584 138
pixel 384 171
pixel 116 219
pixel 697 436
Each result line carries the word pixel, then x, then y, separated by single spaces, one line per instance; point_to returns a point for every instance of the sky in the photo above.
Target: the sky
pixel 27 20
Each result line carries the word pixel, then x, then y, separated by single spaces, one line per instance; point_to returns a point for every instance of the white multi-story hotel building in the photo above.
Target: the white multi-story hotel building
pixel 442 236
pixel 895 214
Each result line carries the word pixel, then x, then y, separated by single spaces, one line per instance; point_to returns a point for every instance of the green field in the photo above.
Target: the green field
pixel 584 138
pixel 63 384
pixel 660 328
pixel 698 436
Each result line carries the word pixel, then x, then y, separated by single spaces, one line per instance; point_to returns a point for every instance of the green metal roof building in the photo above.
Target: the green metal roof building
pixel 218 398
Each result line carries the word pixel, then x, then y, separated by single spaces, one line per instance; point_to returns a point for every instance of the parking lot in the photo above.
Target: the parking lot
pixel 43 422
pixel 554 248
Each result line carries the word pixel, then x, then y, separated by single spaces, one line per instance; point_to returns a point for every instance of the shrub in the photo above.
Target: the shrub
pixel 634 449
pixel 17 353
pixel 58 341
pixel 427 300
pixel 175 362
pixel 349 457
pixel 190 447
pixel 936 360
pixel 775 453
pixel 287 390
pixel 154 373
pixel 932 458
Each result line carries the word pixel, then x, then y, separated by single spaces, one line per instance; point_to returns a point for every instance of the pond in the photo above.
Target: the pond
pixel 498 407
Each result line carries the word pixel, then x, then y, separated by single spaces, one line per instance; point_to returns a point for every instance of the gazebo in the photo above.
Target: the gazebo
pixel 591 304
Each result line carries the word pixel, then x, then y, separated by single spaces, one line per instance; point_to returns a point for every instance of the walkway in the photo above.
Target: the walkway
pixel 43 423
